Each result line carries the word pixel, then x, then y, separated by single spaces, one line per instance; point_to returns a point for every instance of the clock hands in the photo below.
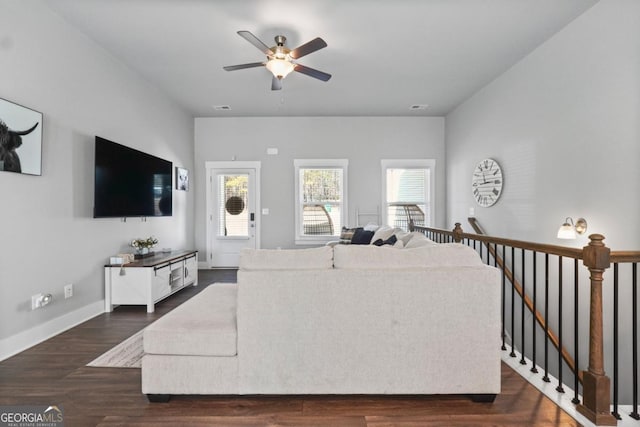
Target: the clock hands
pixel 485 182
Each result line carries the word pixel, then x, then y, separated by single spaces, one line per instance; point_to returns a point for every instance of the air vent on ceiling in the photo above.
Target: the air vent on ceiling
pixel 221 107
pixel 419 107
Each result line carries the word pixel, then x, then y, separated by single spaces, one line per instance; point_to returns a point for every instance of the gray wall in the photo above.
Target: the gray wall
pixel 564 123
pixel 48 235
pixel 362 140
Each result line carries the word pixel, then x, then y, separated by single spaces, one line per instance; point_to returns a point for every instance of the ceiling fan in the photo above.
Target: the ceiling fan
pixel 280 59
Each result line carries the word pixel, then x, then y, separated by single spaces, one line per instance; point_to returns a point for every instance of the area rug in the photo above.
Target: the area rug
pixel 127 354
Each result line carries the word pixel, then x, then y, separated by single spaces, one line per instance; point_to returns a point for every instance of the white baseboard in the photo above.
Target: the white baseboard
pixel 563 400
pixel 21 341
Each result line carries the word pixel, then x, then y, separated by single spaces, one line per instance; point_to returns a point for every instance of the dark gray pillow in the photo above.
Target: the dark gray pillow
pixel 361 237
pixel 390 241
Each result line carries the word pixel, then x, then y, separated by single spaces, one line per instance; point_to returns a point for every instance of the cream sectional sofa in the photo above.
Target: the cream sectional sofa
pixel 348 319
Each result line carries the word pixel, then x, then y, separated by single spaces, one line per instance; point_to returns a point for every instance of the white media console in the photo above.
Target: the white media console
pixel 149 280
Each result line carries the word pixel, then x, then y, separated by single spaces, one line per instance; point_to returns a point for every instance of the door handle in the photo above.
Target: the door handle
pixel 252 216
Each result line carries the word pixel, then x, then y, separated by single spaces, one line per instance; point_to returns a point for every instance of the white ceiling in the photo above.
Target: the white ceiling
pixel 385 56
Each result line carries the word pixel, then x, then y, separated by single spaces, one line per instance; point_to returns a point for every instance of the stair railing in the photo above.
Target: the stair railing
pixel 596 258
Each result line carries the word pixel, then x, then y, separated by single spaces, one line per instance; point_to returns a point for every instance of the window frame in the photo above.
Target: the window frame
pixel 301 239
pixel 429 164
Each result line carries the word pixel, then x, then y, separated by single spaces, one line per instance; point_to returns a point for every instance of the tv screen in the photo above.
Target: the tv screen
pixel 130 183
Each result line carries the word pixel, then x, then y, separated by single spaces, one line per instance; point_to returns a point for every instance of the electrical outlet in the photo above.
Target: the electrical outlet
pixel 68 291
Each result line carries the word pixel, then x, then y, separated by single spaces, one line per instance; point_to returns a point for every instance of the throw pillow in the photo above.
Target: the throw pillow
pixel 390 241
pixel 361 237
pixel 382 233
pixel 347 234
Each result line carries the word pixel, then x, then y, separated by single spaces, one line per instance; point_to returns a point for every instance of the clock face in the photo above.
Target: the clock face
pixel 486 182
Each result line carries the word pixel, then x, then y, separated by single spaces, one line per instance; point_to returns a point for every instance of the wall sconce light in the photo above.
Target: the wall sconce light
pixel 568 230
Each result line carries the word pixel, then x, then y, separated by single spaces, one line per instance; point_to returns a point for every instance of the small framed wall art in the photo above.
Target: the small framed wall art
pixel 182 179
pixel 20 139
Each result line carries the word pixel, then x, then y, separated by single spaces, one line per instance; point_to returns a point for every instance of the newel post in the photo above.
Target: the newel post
pixel 457 233
pixel 596 386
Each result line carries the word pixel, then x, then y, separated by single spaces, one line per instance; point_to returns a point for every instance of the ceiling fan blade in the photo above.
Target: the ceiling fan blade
pixel 307 48
pixel 276 83
pixel 243 66
pixel 320 75
pixel 256 42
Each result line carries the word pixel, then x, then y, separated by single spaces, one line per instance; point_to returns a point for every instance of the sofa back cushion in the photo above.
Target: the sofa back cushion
pixel 416 240
pixel 374 257
pixel 286 259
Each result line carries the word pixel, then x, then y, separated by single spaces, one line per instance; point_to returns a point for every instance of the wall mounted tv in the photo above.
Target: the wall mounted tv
pixel 130 183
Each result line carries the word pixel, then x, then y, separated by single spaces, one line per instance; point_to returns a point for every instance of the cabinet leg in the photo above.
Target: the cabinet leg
pixel 151 308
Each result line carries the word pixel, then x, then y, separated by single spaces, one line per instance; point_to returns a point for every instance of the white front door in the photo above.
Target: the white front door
pixel 233 218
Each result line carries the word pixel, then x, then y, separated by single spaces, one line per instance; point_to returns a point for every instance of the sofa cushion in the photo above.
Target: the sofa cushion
pixel 204 325
pixel 405 236
pixel 374 257
pixel 286 259
pixel 417 240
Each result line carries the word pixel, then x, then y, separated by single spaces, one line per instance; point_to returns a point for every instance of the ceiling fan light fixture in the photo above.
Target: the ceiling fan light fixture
pixel 280 59
pixel 280 68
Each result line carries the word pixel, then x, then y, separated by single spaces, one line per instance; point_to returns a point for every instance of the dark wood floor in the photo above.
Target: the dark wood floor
pixel 54 373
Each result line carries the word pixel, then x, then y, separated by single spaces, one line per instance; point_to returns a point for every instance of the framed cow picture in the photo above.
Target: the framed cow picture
pixel 20 139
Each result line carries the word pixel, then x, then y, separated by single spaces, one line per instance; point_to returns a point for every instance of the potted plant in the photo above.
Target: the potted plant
pixel 143 246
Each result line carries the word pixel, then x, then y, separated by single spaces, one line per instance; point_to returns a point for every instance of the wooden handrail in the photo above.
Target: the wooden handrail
pixel 625 256
pixel 563 251
pixel 575 253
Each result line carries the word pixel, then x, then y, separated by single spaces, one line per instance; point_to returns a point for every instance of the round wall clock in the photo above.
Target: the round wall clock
pixel 486 182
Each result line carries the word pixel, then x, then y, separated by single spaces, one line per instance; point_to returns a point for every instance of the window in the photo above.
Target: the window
pixel 407 192
pixel 233 213
pixel 321 199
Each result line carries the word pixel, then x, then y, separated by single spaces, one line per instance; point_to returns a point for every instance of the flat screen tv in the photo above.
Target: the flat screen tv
pixel 130 183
